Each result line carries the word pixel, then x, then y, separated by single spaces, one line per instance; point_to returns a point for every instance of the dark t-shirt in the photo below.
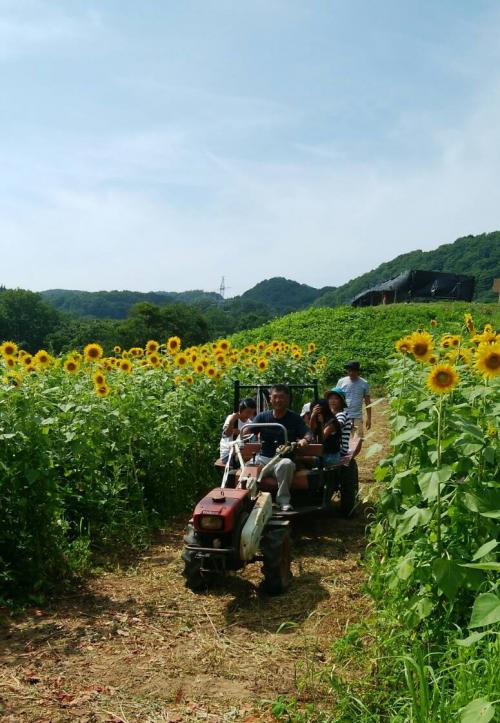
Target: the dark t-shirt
pixel 271 438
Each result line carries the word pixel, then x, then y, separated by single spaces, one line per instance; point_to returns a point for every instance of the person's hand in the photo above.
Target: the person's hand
pixel 302 443
pixel 316 412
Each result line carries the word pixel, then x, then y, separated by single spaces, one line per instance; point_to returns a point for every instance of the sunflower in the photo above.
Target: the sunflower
pixel 10 361
pixel 152 346
pixel 126 366
pixel 488 360
pixel 224 344
pixel 180 360
pixel 268 353
pixel 117 349
pixel 27 360
pixel 8 348
pixel 14 378
pixel 450 340
pixel 403 345
pixel 421 345
pixel 262 364
pixel 102 391
pixel 469 323
pixel 311 347
pixel 189 379
pixel 71 366
pixel 199 368
pixel 125 354
pixel 220 358
pixel 136 351
pixel 211 372
pixel 434 323
pixel 30 368
pixel 488 334
pixel 99 379
pixel 93 352
pixel 43 358
pixel 297 354
pixel 173 344
pixel 261 345
pixel 442 378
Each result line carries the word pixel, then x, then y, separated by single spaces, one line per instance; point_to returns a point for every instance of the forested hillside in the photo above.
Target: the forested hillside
pixel 478 256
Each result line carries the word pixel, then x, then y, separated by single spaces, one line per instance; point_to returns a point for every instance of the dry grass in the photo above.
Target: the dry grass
pixel 135 645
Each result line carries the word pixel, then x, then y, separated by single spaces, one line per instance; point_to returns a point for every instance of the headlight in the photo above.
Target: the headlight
pixel 211 522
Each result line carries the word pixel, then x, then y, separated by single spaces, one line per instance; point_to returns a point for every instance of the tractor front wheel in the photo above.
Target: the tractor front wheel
pixel 192 563
pixel 275 547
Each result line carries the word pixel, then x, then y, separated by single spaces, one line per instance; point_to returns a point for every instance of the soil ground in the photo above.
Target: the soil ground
pixel 135 645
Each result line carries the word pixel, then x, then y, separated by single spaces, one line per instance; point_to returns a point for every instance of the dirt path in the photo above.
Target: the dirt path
pixel 135 645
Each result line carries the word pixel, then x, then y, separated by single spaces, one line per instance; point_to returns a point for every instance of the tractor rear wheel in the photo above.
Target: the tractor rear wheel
pixel 349 487
pixel 192 563
pixel 275 547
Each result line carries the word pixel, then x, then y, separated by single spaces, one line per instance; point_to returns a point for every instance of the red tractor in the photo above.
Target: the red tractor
pixel 237 523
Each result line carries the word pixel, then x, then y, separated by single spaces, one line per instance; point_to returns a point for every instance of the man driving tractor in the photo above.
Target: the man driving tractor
pixel 284 469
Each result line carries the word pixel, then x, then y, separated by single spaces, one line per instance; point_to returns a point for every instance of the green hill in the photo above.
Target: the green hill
pixel 367 333
pixel 283 295
pixel 478 256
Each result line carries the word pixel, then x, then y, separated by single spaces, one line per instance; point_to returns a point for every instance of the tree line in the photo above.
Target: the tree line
pixel 33 323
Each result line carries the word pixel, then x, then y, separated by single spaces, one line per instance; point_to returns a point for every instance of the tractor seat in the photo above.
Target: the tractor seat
pixel 248 451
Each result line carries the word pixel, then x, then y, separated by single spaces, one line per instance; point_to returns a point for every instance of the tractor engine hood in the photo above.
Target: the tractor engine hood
pixel 220 509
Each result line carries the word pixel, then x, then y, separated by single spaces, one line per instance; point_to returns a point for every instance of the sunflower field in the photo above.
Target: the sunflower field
pixel 435 538
pixel 96 451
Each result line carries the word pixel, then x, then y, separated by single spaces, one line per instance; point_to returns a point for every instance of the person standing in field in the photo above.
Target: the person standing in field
pixel 356 391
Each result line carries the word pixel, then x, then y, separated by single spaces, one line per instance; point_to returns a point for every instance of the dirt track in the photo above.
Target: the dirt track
pixel 135 645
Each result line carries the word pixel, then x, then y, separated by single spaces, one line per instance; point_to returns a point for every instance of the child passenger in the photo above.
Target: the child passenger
pixel 330 420
pixel 247 410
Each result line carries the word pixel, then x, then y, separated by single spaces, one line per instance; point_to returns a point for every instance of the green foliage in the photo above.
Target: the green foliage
pixel 367 334
pixel 283 295
pixel 26 318
pixel 478 256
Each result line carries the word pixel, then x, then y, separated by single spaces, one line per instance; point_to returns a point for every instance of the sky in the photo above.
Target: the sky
pixel 162 145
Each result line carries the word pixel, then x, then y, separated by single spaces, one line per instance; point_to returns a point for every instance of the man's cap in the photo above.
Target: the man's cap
pixel 340 392
pixel 354 365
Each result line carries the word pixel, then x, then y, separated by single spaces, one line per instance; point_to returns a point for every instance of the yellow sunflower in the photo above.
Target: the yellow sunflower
pixel 117 349
pixel 126 366
pixel 311 347
pixel 102 391
pixel 43 358
pixel 199 368
pixel 442 378
pixel 488 360
pixel 403 345
pixel 224 344
pixel 173 344
pixel 261 345
pixel 8 348
pixel 189 379
pixel 10 361
pixel 93 352
pixel 71 366
pixel 422 345
pixel 262 364
pixel 434 323
pixel 469 323
pixel 152 346
pixel 99 379
pixel 27 360
pixel 211 371
pixel 154 360
pixel 180 360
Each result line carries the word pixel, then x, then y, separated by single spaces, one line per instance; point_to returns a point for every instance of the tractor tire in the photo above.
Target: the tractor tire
pixel 349 487
pixel 192 563
pixel 275 548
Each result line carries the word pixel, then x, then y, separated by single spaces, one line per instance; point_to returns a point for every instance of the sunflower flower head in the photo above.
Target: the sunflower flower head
pixel 93 352
pixel 487 360
pixel 422 345
pixel 173 344
pixel 442 378
pixel 71 366
pixel 8 348
pixel 152 346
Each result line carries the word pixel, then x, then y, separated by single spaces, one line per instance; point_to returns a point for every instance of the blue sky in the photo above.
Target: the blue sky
pixel 160 145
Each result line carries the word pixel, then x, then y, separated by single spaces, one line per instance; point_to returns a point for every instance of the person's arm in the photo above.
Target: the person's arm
pixel 331 427
pixel 304 433
pixel 368 401
pixel 231 426
pixel 315 418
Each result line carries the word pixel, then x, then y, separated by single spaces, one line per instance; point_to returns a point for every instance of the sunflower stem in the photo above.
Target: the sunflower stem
pixel 438 499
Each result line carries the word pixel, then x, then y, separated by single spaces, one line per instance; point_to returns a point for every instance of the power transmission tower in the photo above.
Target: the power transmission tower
pixel 223 287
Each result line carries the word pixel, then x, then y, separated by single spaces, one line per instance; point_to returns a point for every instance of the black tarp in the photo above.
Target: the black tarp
pixel 418 286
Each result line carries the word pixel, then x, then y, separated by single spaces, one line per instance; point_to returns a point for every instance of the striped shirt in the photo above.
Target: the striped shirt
pixel 340 438
pixel 346 426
